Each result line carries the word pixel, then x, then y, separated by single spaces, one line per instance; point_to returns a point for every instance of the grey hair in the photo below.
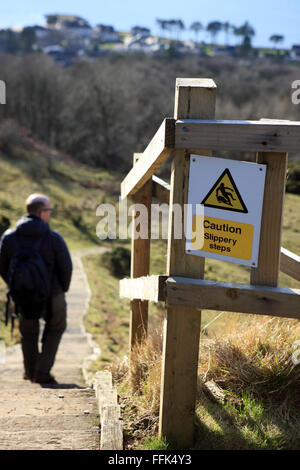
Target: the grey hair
pixel 36 202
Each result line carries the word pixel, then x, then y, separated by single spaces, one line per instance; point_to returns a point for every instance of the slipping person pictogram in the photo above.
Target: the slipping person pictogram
pixel 224 194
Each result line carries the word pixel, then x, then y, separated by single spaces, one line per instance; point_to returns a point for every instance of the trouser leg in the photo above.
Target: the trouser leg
pixel 29 330
pixel 55 325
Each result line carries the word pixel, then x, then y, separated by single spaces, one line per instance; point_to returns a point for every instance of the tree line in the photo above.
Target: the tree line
pixel 103 111
pixel 246 32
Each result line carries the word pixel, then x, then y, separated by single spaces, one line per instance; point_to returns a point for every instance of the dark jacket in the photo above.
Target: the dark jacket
pixel 53 250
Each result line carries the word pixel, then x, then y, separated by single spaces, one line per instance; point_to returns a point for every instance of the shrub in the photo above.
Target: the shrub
pixel 293 180
pixel 10 137
pixel 117 262
pixel 4 224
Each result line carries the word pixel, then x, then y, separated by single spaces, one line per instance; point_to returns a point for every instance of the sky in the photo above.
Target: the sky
pixel 268 17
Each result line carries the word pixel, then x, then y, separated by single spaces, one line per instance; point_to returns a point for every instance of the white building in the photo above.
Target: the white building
pixel 295 52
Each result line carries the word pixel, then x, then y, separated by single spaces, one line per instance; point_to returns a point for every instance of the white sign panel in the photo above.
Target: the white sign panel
pixel 225 200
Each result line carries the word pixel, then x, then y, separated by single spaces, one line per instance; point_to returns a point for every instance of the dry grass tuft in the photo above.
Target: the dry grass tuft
pixel 251 357
pixel 255 357
pixel 139 388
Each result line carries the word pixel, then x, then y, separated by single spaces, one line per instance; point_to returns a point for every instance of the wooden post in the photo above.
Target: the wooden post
pixel 140 263
pixel 194 99
pixel 267 272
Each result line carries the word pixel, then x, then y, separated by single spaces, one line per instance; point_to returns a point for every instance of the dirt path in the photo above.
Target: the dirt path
pixel 57 417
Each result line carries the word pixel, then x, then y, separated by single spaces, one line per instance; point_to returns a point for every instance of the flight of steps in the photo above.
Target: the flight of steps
pixel 53 417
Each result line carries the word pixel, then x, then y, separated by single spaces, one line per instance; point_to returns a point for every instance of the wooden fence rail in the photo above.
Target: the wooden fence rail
pixel 183 288
pixel 290 264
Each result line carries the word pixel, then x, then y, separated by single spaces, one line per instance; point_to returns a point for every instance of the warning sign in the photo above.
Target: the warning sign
pixel 225 200
pixel 225 195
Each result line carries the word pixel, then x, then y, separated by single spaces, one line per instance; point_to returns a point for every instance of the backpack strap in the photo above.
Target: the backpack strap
pixel 8 298
pixel 13 316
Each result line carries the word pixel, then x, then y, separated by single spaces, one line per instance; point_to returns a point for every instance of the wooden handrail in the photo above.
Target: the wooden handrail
pixel 246 136
pixel 214 295
pixel 152 158
pixel 254 136
pixel 290 264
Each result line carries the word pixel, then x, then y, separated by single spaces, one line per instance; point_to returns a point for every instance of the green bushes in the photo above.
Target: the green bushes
pixel 293 180
pixel 4 224
pixel 117 262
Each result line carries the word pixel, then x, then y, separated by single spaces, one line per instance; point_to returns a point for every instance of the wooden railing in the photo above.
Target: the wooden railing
pixel 193 130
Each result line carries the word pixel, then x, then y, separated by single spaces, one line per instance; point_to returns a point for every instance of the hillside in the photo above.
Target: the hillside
pixel 27 166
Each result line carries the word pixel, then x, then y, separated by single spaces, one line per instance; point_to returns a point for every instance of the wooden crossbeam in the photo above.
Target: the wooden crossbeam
pixel 214 295
pixel 152 158
pixel 255 136
pixel 231 297
pixel 160 190
pixel 247 136
pixel 143 288
pixel 290 264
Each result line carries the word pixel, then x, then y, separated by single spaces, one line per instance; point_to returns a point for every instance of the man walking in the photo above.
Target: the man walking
pixel 55 254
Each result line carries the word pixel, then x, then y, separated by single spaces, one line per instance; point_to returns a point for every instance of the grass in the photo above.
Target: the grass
pixel 248 426
pixel 154 444
pixel 108 317
pixel 253 366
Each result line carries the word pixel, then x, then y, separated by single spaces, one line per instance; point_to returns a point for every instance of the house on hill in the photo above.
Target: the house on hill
pixel 149 45
pixel 3 44
pixel 69 25
pixel 41 32
pixel 295 52
pixel 106 33
pixel 226 51
pixel 140 31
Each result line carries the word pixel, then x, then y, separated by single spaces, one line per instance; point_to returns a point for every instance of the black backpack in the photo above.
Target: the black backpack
pixel 29 283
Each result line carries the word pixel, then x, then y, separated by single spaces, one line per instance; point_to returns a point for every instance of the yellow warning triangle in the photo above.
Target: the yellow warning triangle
pixel 225 195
